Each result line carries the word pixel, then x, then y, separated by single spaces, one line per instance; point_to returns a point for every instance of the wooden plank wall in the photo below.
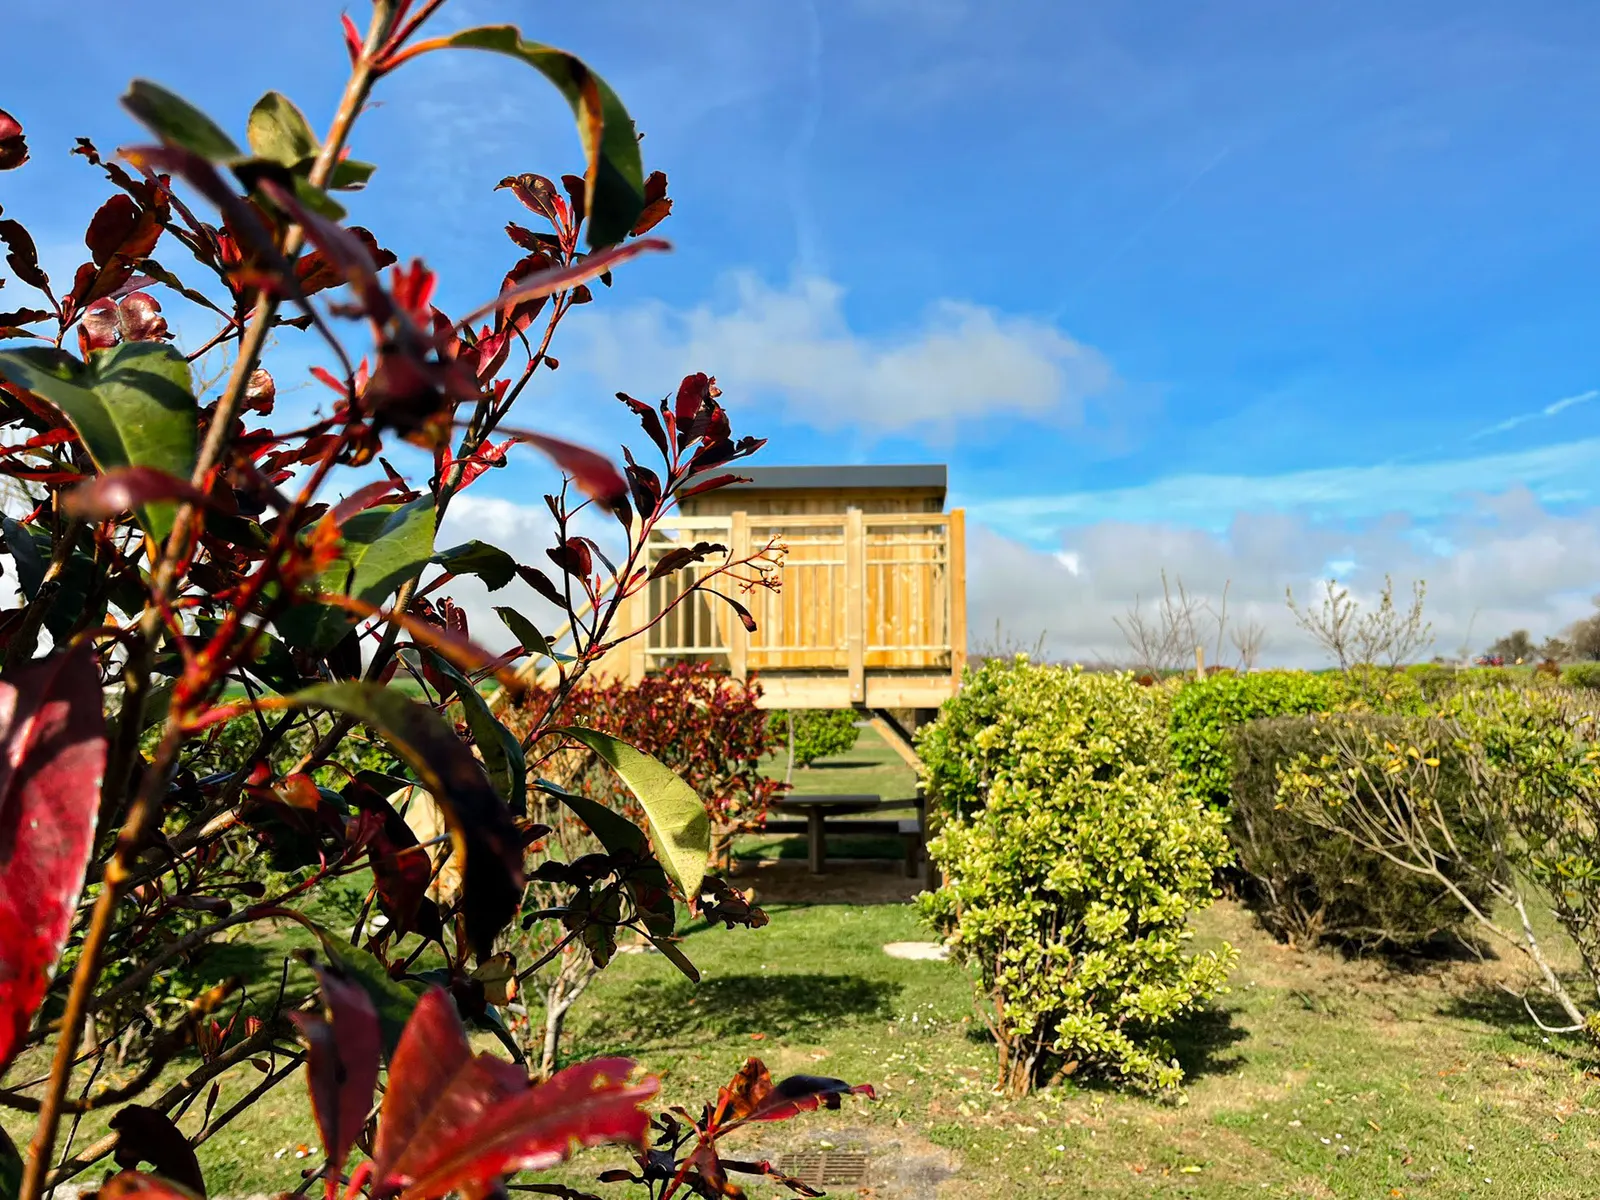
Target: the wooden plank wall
pixel 861 592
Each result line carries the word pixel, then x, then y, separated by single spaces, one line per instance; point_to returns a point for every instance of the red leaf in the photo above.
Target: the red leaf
pixel 548 283
pixel 22 255
pixel 343 1045
pixel 260 393
pixel 52 731
pixel 594 474
pixel 537 194
pixel 360 500
pixel 99 328
pixel 353 41
pixel 317 271
pixel 13 146
pixel 483 1126
pixel 432 1051
pixel 135 1185
pixel 752 1096
pixel 716 481
pixel 125 489
pixel 528 239
pixel 806 1093
pixel 121 235
pixel 400 866
pixel 140 317
pixel 656 204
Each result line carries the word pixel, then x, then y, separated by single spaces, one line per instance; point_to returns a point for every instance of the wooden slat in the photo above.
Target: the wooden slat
pixel 855 614
pixel 956 588
pixel 738 640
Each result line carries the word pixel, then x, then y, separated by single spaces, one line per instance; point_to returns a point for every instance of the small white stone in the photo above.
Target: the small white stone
pixel 918 951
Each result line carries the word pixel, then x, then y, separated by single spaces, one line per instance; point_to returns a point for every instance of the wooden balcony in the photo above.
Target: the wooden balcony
pixel 871 611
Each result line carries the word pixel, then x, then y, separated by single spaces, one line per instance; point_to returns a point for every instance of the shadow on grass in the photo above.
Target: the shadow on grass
pixel 1507 1015
pixel 1199 1042
pixel 841 846
pixel 1203 1041
pixel 674 1014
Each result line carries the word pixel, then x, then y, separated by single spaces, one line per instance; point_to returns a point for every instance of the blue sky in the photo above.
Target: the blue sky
pixel 1152 278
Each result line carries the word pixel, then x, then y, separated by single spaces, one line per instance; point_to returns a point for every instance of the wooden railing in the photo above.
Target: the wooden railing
pixel 861 592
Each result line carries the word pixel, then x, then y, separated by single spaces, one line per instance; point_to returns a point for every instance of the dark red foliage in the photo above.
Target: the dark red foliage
pixel 686 1152
pixel 121 235
pixel 342 1051
pixel 703 724
pixel 126 489
pixel 13 145
pixel 246 601
pixel 146 1135
pixel 452 1122
pixel 54 740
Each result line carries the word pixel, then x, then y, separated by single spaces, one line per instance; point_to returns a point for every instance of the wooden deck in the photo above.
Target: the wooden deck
pixel 871 612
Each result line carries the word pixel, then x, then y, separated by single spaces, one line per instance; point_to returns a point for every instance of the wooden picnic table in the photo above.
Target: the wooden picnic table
pixel 818 809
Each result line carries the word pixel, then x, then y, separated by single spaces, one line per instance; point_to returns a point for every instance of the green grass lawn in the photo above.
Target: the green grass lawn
pixel 1313 1077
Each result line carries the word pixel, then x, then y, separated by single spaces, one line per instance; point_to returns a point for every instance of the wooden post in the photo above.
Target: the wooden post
pixel 956 532
pixel 636 612
pixel 855 603
pixel 1200 662
pixel 816 838
pixel 738 636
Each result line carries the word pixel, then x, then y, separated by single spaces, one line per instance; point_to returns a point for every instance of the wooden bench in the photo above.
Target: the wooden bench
pixel 823 813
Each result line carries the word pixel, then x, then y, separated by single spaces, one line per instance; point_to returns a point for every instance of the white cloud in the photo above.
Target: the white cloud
pixel 1505 563
pixel 963 361
pixel 524 531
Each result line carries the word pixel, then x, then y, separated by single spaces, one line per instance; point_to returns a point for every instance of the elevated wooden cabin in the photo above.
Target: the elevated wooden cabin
pixel 872 608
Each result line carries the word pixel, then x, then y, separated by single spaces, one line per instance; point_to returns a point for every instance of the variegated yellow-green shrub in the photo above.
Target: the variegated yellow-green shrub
pixel 1072 871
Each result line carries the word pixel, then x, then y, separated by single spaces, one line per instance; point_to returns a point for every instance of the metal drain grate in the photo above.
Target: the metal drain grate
pixel 819 1168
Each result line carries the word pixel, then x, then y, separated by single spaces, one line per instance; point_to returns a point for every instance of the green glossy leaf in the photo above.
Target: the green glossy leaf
pixel 272 662
pixel 31 549
pixel 350 175
pixel 676 957
pixel 173 119
pixel 483 836
pixel 279 131
pixel 625 840
pixel 489 563
pixel 393 999
pixel 528 636
pixel 132 405
pixel 615 175
pixel 679 826
pixel 382 548
pixel 502 753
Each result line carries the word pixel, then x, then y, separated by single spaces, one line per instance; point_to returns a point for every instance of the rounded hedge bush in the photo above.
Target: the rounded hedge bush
pixel 1309 885
pixel 1072 866
pixel 1582 675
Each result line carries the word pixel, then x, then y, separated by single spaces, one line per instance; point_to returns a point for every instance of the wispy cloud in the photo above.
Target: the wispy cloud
pixel 1554 474
pixel 1538 414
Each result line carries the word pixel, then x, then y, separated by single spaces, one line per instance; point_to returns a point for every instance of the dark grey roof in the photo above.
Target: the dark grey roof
pixel 919 475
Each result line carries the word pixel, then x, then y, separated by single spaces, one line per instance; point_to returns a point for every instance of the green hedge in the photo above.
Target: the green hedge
pixel 1307 884
pixel 1205 711
pixel 818 732
pixel 1582 675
